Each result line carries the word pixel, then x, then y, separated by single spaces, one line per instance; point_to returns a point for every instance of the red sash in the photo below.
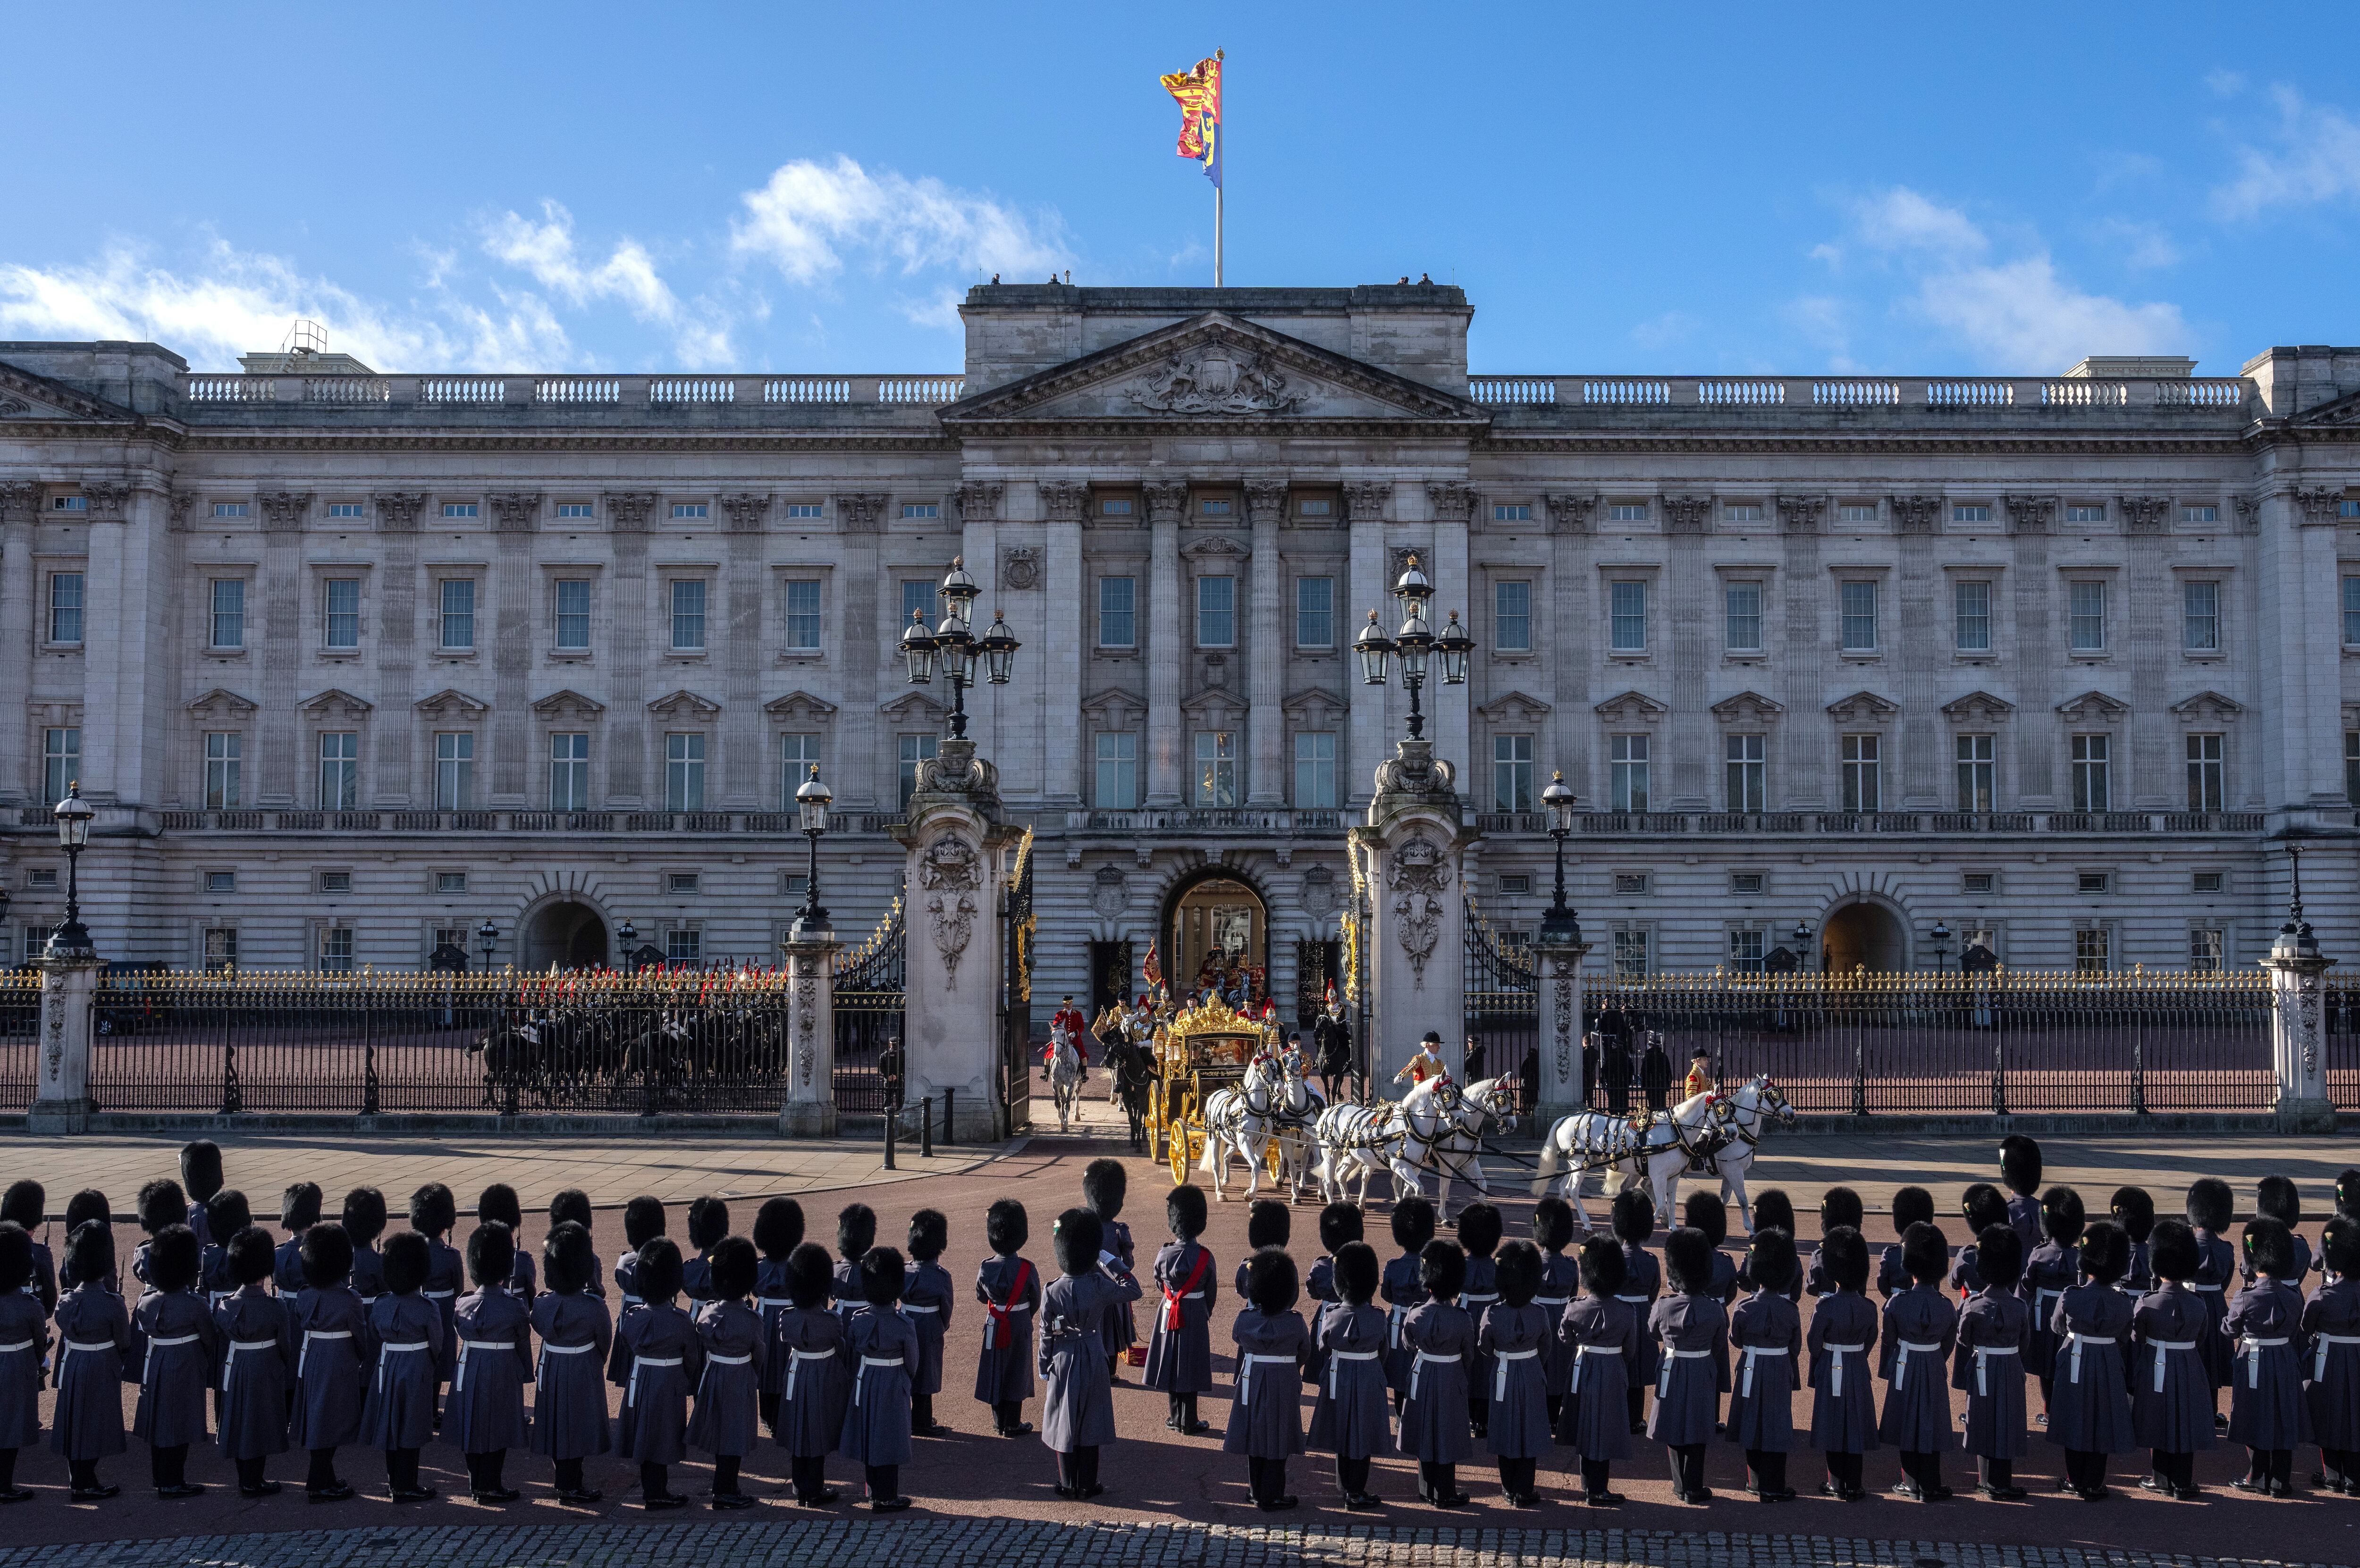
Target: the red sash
pixel 1172 1297
pixel 999 1327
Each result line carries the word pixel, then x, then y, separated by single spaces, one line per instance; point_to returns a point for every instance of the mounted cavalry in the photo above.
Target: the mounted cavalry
pixel 1436 1128
pixel 1719 1132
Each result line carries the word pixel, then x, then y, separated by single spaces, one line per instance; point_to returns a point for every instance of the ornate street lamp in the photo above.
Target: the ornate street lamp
pixel 488 937
pixel 1803 945
pixel 952 644
pixel 627 937
pixel 1558 926
pixel 1941 935
pixel 71 938
pixel 811 803
pixel 1415 643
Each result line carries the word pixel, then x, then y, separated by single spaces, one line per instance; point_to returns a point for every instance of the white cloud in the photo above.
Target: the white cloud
pixel 1902 220
pixel 2316 158
pixel 2140 245
pixel 547 252
pixel 811 220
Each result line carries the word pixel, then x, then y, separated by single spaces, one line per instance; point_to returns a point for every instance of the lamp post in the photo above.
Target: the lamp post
pixel 1941 935
pixel 1803 944
pixel 626 936
pixel 71 938
pixel 488 937
pixel 812 803
pixel 1558 925
pixel 956 646
pixel 1415 643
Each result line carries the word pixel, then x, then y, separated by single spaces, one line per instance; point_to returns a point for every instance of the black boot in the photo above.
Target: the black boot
pixel 86 1487
pixel 810 1477
pixel 1270 1495
pixel 1516 1482
pixel 9 1491
pixel 1930 1477
pixel 2282 1474
pixel 1353 1480
pixel 570 1489
pixel 1769 1475
pixel 1069 1477
pixel 885 1489
pixel 485 1481
pixel 1189 1425
pixel 1438 1485
pixel 1596 1489
pixel 1998 1479
pixel 655 1488
pixel 2257 1478
pixel 170 1468
pixel 726 1492
pixel 251 1482
pixel 401 1469
pixel 1637 1400
pixel 321 1482
pixel 1008 1419
pixel 1087 1471
pixel 1688 1473
pixel 922 1417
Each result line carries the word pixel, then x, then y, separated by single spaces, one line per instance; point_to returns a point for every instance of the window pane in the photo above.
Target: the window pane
pixel 1744 623
pixel 1217 614
pixel 1972 600
pixel 683 772
pixel 1314 612
pixel 459 612
pixel 2202 620
pixel 915 748
pixel 2352 612
pixel 1860 617
pixel 687 615
pixel 340 772
pixel 2089 617
pixel 802 615
pixel 2092 790
pixel 1314 771
pixel 569 772
pixel 224 754
pixel 1511 773
pixel 1630 618
pixel 917 596
pixel 573 615
pixel 344 629
pixel 454 771
pixel 1512 619
pixel 1118 612
pixel 1749 774
pixel 229 611
pixel 798 754
pixel 1216 769
pixel 1630 952
pixel 61 762
pixel 2204 779
pixel 1863 781
pixel 1977 772
pixel 1117 785
pixel 1626 772
pixel 65 607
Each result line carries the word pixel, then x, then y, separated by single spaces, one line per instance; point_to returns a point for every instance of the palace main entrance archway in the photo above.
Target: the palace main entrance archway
pixel 1216 931
pixel 569 935
pixel 1863 935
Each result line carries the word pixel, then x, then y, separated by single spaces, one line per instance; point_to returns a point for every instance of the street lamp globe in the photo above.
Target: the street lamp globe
pixel 812 802
pixel 488 937
pixel 1413 589
pixel 958 592
pixel 1453 646
pixel 1415 641
pixel 1558 801
pixel 74 814
pixel 998 648
pixel 1376 651
pixel 918 648
pixel 955 642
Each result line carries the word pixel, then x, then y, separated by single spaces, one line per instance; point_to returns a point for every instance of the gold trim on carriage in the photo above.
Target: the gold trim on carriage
pixel 1199 1052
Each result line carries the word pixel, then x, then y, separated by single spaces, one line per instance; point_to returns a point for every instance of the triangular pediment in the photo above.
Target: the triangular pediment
pixel 2208 705
pixel 334 702
pixel 800 705
pixel 684 704
pixel 1513 707
pixel 25 395
pixel 2343 410
pixel 1979 705
pixel 914 707
pixel 1864 705
pixel 1314 706
pixel 568 704
pixel 1214 704
pixel 1214 367
pixel 1114 707
pixel 1633 705
pixel 451 700
pixel 221 702
pixel 1747 705
pixel 2093 705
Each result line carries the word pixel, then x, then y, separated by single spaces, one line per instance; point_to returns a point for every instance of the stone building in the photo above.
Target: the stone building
pixel 354 661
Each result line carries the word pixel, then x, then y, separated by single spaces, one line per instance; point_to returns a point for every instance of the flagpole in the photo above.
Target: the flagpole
pixel 1220 160
pixel 1216 236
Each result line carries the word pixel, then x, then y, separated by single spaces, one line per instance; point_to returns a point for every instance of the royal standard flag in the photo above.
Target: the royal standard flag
pixel 1199 94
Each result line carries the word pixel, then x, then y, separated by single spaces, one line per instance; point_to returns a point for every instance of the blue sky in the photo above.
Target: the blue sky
pixel 1699 189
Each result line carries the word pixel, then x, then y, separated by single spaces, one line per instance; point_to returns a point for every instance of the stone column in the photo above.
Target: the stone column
pixel 1451 505
pixel 2297 1022
pixel 19 587
pixel 955 834
pixel 1063 657
pixel 1417 843
pixel 1165 650
pixel 810 1107
pixel 1265 652
pixel 1559 956
pixel 61 1103
pixel 115 650
pixel 1366 587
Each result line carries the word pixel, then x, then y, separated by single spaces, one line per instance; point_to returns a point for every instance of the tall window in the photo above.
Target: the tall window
pixel 683 772
pixel 2199 617
pixel 1314 612
pixel 340 772
pixel 1216 768
pixel 1511 773
pixel 1628 628
pixel 1314 771
pixel 1631 952
pixel 344 612
pixel 1973 621
pixel 458 612
pixel 1749 773
pixel 917 595
pixel 798 755
pixel 1746 950
pixel 2092 790
pixel 225 750
pixel 61 762
pixel 220 948
pixel 1626 772
pixel 1860 617
pixel 572 615
pixel 688 615
pixel 2350 768
pixel 336 949
pixel 2352 612
pixel 569 771
pixel 1118 612
pixel 2092 950
pixel 1216 612
pixel 228 629
pixel 685 944
pixel 1864 782
pixel 1511 616
pixel 1742 617
pixel 1978 772
pixel 2208 947
pixel 802 615
pixel 915 748
pixel 65 607
pixel 454 771
pixel 2089 617
pixel 2204 790
pixel 1117 785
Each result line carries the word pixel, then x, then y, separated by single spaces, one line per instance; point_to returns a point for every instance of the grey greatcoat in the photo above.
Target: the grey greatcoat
pixel 1643 1282
pixel 172 1377
pixel 287 1266
pixel 88 1424
pixel 1843 1393
pixel 771 1301
pixel 1595 1419
pixel 1266 1409
pixel 926 1297
pixel 881 1347
pixel 2050 1270
pixel 336 1350
pixel 258 1346
pixel 1512 1344
pixel 1078 1406
pixel 399 1413
pixel 2267 1408
pixel 2171 1398
pixel 1398 1289
pixel 2090 1408
pixel 1481 1291
pixel 22 1324
pixel 484 1413
pixel 1994 1324
pixel 1692 1368
pixel 1433 1418
pixel 653 1426
pixel 1009 1289
pixel 1917 1390
pixel 569 1396
pixel 447 1280
pixel 1560 1281
pixel 2215 1277
pixel 1348 1416
pixel 1765 1339
pixel 1120 1330
pixel 729 1419
pixel 807 1360
pixel 1180 1347
pixel 2331 1371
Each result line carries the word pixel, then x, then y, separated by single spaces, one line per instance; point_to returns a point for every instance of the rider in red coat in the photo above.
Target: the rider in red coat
pixel 1069 1018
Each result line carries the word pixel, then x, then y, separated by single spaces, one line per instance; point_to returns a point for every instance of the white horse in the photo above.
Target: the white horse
pixel 1299 1106
pixel 1064 1076
pixel 1744 1116
pixel 1435 1126
pixel 1239 1121
pixel 1655 1151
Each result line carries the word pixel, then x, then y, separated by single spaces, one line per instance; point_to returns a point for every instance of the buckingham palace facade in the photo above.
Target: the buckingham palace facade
pixel 1869 668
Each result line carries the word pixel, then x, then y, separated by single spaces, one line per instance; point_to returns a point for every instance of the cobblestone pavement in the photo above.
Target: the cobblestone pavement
pixel 993 1543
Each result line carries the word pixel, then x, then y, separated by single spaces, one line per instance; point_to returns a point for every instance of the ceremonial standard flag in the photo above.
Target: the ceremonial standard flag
pixel 1199 91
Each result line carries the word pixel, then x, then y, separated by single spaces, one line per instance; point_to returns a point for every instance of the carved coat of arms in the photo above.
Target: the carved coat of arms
pixel 949 874
pixel 1216 379
pixel 1418 877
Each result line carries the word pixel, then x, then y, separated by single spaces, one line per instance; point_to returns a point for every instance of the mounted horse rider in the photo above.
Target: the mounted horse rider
pixel 1427 1064
pixel 1067 1026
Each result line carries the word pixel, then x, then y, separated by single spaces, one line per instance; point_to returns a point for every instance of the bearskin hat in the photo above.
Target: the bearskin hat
pixel 779 1227
pixel 1442 1269
pixel 90 1251
pixel 810 1275
pixel 643 1220
pixel 880 1275
pixel 1999 1256
pixel 1340 1223
pixel 1413 1223
pixel 2133 1210
pixel 251 1255
pixel 2105 1252
pixel 1357 1272
pixel 26 1201
pixel 1105 1183
pixel 734 1267
pixel 1519 1273
pixel 1080 1237
pixel 327 1255
pixel 201 1168
pixel 407 1261
pixel 574 1205
pixel 491 1253
pixel 2019 1164
pixel 500 1205
pixel 1269 1223
pixel 1773 1209
pixel 1478 1229
pixel 161 1204
pixel 364 1215
pixel 1840 1206
pixel 1983 1206
pixel 2339 1246
pixel 2270 1247
pixel 433 1209
pixel 1771 1260
pixel 1688 1260
pixel 1925 1253
pixel 659 1273
pixel 2273 1196
pixel 2347 1192
pixel 86 1206
pixel 1911 1205
pixel 1271 1284
pixel 1604 1270
pixel 299 1206
pixel 708 1222
pixel 2062 1217
pixel 174 1259
pixel 929 1233
pixel 1553 1223
pixel 1006 1226
pixel 15 1257
pixel 1704 1210
pixel 565 1257
pixel 856 1231
pixel 1634 1216
pixel 2172 1251
pixel 1184 1212
pixel 2211 1204
pixel 1844 1256
pixel 226 1214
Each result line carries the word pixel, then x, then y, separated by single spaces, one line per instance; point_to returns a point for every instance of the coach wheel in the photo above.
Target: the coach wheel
pixel 1178 1156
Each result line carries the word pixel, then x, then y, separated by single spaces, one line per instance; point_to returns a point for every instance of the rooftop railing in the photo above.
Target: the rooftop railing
pixel 547 393
pixel 1838 395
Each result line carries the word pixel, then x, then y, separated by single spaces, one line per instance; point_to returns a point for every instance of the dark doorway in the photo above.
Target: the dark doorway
pixel 1864 936
pixel 1217 931
pixel 567 934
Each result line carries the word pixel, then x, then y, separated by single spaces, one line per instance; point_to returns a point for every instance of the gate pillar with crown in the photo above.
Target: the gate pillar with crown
pixel 1414 846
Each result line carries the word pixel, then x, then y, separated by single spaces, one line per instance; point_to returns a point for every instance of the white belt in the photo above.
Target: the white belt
pixel 438 1295
pixel 308 1335
pixel 2039 1316
pixel 2253 1348
pixel 712 1361
pixel 912 1307
pixel 796 1365
pixel 547 1350
pixel 384 1352
pixel 2082 1339
pixel 1751 1352
pixel 1551 1300
pixel 1393 1316
pixel 631 1392
pixel 1836 1353
pixel 215 1298
pixel 1901 1362
pixel 2319 1367
pixel 1635 1301
pixel 2163 1349
pixel 2217 1290
pixel 632 1300
pixel 767 1302
pixel 459 1376
pixel 866 1363
pixel 26 1344
pixel 147 1362
pixel 1500 1372
pixel 1336 1355
pixel 1582 1353
pixel 1664 1373
pixel 1419 1365
pixel 1246 1363
pixel 1487 1299
pixel 1983 1352
pixel 229 1356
